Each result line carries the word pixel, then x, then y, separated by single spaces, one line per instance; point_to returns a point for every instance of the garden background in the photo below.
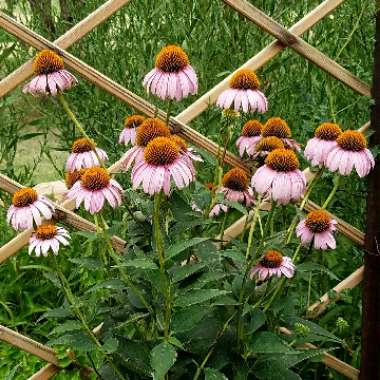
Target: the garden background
pixel 35 136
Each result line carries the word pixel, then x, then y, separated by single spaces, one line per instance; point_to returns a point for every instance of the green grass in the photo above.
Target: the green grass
pixel 217 41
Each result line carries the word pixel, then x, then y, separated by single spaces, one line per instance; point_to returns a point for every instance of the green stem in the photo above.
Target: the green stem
pixel 212 349
pixel 117 260
pixel 79 315
pixel 249 263
pixel 332 193
pixel 311 184
pixel 74 119
pixel 159 245
pixel 221 234
pixel 170 103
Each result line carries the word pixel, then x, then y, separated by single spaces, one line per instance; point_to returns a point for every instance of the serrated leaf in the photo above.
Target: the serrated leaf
pixel 78 340
pixel 198 296
pixel 65 327
pixel 59 312
pixel 110 345
pixel 213 374
pixel 180 273
pixel 162 358
pixel 266 342
pixel 176 249
pixel 237 206
pixel 186 319
pixel 314 267
pixel 87 262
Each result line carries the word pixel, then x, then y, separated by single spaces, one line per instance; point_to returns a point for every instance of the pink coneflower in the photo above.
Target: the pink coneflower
pixel 28 207
pixel 351 152
pixel 318 226
pixel 128 134
pixel 94 188
pixel 48 237
pixel 275 126
pixel 273 263
pixel 188 153
pixel 243 93
pixel 323 142
pixel 235 187
pixel 217 209
pixel 72 177
pixel 162 161
pixel 83 155
pixel 173 77
pixel 146 132
pixel 51 76
pixel 250 135
pixel 266 145
pixel 280 177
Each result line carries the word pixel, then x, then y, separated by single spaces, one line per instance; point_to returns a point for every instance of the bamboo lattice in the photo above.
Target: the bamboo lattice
pixel 284 38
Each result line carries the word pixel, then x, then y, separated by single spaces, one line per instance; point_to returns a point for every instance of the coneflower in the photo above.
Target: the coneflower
pixel 173 77
pixel 280 177
pixel 50 75
pixel 128 134
pixel 146 132
pixel 28 207
pixel 323 142
pixel 275 126
pixel 243 93
pixel 162 161
pixel 250 135
pixel 351 152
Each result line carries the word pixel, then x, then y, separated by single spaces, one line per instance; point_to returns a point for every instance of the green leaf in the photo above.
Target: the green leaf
pixel 188 318
pixel 269 370
pixel 110 345
pixel 176 249
pixel 180 273
pixel 87 262
pixel 237 206
pixel 213 374
pixel 266 342
pixel 113 283
pixel 78 340
pixel 142 263
pixel 198 296
pixel 65 327
pixel 306 268
pixel 162 358
pixel 59 312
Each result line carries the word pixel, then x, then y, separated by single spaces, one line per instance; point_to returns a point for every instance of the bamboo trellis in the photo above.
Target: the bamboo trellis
pixel 284 38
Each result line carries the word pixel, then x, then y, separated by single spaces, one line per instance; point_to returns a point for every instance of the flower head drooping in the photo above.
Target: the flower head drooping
pixel 48 237
pixel 83 155
pixel 250 135
pixel 323 142
pixel 266 144
pixel 235 186
pixel 162 161
pixel 275 126
pixel 243 93
pixel 318 226
pixel 148 130
pixel 273 263
pixel 280 177
pixel 51 76
pixel 188 153
pixel 173 77
pixel 28 207
pixel 128 134
pixel 72 177
pixel 351 152
pixel 94 187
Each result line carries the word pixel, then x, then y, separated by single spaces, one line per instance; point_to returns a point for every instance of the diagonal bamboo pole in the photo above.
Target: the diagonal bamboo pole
pixel 330 360
pixel 27 344
pixel 73 35
pixel 259 60
pixel 45 373
pixel 299 45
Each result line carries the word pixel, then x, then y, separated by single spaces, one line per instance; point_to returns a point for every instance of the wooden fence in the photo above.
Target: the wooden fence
pixel 285 38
